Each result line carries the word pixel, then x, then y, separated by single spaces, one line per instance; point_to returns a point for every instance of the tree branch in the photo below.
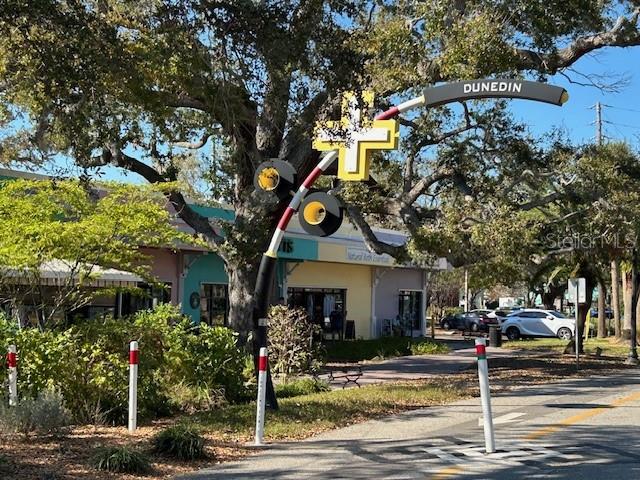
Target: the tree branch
pixel 196 221
pixel 370 239
pixel 623 34
pixel 193 145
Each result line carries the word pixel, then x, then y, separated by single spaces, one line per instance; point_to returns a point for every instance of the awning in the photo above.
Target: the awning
pixel 58 272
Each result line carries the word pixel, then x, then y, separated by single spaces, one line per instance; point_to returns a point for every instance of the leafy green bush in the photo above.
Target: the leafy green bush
pixel 379 349
pixel 44 414
pixel 124 459
pixel 303 386
pixel 427 347
pixel 205 356
pixel 88 363
pixel 180 441
pixel 292 345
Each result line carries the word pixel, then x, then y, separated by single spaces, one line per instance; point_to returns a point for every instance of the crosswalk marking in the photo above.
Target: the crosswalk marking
pixel 506 418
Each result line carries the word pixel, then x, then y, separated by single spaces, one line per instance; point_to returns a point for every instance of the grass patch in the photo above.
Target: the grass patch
pixel 124 459
pixel 609 346
pixel 303 416
pixel 182 441
pixel 300 387
pixel 380 348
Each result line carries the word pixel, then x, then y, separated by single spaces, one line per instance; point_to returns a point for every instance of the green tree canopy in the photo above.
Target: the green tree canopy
pixel 65 226
pixel 206 90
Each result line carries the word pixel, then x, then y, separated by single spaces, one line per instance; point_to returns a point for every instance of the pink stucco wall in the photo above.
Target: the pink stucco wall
pixel 165 265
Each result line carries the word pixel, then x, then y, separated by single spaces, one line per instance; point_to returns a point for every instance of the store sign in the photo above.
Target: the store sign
pixel 298 249
pixel 577 287
pixel 494 88
pixel 365 256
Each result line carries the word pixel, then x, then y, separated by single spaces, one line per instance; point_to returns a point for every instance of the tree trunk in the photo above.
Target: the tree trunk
pixel 627 293
pixel 602 317
pixel 242 279
pixel 638 316
pixel 615 296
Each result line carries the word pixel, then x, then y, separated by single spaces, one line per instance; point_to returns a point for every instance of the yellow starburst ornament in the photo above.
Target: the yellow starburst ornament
pixel 356 137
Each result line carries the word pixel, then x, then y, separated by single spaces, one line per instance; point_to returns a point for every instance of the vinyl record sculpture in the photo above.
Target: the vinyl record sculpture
pixel 276 177
pixel 320 213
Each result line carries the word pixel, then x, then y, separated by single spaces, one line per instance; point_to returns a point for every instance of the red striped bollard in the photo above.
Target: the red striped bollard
pixel 485 394
pixel 12 363
pixel 262 390
pixel 134 358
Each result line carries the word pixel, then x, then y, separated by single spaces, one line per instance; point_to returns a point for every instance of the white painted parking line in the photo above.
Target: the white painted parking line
pixel 506 418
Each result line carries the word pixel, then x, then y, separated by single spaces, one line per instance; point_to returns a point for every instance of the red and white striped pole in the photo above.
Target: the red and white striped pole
pixel 262 390
pixel 134 358
pixel 485 395
pixel 12 362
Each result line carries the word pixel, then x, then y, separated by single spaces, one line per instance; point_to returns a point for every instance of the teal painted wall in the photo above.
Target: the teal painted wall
pixel 207 268
pixel 298 249
pixel 213 212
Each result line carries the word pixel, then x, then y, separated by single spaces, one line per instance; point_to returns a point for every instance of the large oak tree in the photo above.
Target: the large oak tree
pixel 205 90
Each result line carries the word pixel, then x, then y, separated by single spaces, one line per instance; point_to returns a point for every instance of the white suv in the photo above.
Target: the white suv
pixel 533 322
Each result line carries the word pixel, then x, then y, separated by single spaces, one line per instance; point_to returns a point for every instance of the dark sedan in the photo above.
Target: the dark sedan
pixel 469 321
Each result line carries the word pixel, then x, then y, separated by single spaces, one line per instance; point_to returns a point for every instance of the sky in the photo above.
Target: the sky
pixel 620 110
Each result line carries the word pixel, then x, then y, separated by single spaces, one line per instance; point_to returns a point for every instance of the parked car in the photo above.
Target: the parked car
pixel 500 314
pixel 608 313
pixel 533 322
pixel 468 321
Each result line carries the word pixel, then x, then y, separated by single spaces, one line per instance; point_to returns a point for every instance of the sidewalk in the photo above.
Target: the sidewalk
pixel 415 367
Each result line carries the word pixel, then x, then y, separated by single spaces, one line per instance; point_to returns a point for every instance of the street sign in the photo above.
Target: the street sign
pixel 494 88
pixel 579 284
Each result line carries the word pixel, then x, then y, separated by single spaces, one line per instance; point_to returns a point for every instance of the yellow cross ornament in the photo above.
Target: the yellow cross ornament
pixel 356 137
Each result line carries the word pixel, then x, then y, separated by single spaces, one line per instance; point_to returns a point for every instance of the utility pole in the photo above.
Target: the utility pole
pixel 598 123
pixel 466 290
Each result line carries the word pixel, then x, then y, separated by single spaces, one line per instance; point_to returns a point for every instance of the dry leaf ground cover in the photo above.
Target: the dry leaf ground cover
pixel 228 429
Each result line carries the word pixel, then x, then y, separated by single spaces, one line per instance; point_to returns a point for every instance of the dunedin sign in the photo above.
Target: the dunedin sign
pixel 495 88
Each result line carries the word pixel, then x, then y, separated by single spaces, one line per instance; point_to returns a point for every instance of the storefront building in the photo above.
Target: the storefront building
pixel 342 285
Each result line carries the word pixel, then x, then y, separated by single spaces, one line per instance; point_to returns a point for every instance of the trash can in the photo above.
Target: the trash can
pixel 495 336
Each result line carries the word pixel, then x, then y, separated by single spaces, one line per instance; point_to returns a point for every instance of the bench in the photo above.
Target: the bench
pixel 348 374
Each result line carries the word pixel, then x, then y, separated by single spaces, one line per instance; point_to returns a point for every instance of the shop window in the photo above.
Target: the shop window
pixel 214 304
pixel 150 296
pixel 320 303
pixel 410 309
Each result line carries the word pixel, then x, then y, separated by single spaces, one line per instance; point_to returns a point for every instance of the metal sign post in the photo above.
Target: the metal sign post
pixel 577 295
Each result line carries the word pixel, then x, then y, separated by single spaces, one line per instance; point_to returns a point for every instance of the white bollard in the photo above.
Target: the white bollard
pixel 485 395
pixel 262 390
pixel 134 358
pixel 12 362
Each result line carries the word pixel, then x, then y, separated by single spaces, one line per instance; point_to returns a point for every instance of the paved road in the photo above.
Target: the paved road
pixel 423 366
pixel 575 429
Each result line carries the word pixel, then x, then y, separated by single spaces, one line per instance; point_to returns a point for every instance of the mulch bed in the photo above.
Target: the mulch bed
pixel 68 457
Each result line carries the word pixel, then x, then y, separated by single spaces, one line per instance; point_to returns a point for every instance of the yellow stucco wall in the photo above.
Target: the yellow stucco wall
pixel 356 279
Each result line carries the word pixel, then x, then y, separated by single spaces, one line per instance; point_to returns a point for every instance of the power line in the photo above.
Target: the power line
pixel 622 108
pixel 626 125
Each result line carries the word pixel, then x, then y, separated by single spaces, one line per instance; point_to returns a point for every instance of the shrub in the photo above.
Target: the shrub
pixel 206 357
pixel 88 364
pixel 292 348
pixel 427 347
pixel 43 415
pixel 124 459
pixel 304 386
pixel 180 441
pixel 191 399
